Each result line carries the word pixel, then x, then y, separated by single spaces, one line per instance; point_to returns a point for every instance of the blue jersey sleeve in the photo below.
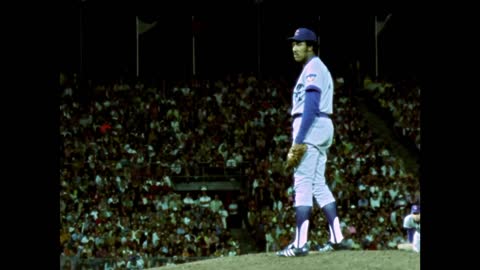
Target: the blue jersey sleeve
pixel 311 109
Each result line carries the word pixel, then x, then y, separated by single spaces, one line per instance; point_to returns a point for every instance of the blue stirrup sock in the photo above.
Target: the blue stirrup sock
pixel 410 233
pixel 302 215
pixel 330 211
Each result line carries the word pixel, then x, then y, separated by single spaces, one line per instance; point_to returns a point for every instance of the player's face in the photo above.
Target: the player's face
pixel 416 217
pixel 299 49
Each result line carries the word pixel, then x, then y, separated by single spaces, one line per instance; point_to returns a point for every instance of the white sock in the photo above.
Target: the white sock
pixel 302 236
pixel 336 232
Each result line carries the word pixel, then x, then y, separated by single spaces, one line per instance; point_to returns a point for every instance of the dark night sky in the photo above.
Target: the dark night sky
pixel 228 43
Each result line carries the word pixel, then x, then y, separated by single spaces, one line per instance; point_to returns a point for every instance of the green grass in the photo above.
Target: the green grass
pixel 364 259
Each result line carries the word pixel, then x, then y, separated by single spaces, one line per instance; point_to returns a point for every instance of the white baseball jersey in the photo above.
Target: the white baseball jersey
pixel 409 222
pixel 315 74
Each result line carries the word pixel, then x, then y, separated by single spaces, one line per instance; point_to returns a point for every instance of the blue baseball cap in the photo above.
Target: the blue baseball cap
pixel 415 209
pixel 303 34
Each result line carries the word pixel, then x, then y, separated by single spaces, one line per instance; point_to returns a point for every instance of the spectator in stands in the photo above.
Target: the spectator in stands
pixel 188 201
pixel 215 204
pixel 205 199
pixel 233 215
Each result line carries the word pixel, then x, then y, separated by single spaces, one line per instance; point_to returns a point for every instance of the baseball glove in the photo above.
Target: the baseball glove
pixel 295 155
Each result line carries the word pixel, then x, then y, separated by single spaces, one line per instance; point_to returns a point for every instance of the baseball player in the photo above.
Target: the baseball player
pixel 412 224
pixel 312 103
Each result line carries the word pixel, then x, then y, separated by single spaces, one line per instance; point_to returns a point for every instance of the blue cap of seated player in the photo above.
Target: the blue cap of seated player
pixel 304 34
pixel 415 209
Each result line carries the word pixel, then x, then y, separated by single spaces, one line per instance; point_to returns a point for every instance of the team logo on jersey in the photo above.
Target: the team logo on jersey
pixel 299 86
pixel 311 77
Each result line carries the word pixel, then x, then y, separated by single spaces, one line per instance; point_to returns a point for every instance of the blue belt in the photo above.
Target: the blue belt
pixel 320 114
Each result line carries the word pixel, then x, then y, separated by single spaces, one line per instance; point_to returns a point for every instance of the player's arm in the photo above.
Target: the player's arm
pixel 310 110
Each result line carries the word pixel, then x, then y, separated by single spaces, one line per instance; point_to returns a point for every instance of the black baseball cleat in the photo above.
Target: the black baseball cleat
pixel 329 246
pixel 291 251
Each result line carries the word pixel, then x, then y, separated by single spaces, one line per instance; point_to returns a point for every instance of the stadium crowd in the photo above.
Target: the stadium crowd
pixel 402 101
pixel 125 146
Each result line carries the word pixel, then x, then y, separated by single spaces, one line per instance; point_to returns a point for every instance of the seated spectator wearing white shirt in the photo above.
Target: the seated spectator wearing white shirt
pixel 204 199
pixel 188 201
pixel 234 218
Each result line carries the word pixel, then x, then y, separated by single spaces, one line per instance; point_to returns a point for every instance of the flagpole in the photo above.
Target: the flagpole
pixel 137 37
pixel 259 38
pixel 376 49
pixel 82 72
pixel 193 48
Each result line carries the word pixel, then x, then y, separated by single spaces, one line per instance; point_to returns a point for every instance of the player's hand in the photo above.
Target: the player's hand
pixel 295 155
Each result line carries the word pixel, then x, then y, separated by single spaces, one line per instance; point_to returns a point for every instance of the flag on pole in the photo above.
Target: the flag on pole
pixel 381 24
pixel 141 28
